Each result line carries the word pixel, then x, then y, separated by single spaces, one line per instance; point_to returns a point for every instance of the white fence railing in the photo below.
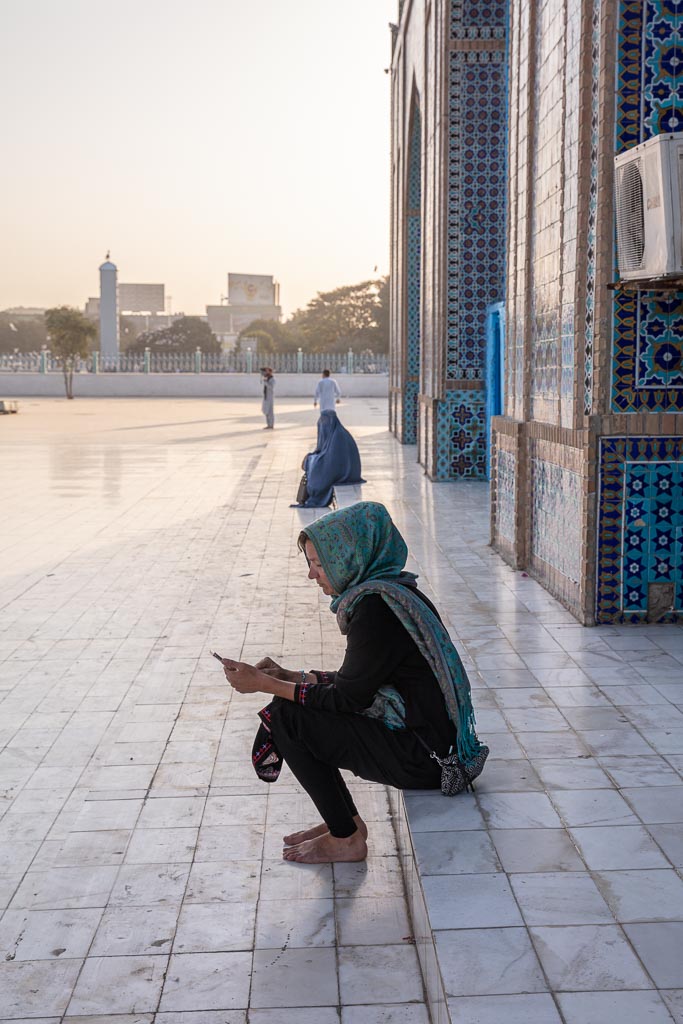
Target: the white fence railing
pixel 245 361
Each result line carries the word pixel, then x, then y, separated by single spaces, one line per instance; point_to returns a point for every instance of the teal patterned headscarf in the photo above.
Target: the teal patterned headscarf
pixel 362 552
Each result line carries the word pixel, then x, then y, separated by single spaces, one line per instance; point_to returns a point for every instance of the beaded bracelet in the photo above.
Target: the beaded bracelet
pixel 304 673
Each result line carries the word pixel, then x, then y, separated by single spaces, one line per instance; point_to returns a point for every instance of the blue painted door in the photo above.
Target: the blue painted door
pixel 495 363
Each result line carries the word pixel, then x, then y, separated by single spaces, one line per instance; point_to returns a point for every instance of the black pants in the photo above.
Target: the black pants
pixel 316 744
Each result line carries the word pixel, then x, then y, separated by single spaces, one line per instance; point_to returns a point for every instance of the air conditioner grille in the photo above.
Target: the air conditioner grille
pixel 630 219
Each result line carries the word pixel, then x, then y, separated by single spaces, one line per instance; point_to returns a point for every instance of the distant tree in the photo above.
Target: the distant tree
pixel 184 335
pixel 21 335
pixel 284 337
pixel 261 341
pixel 70 334
pixel 354 316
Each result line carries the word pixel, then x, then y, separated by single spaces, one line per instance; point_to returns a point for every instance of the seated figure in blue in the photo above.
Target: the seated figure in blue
pixel 336 460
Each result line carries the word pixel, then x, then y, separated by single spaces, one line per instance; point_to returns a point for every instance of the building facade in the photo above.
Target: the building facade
pixel 587 451
pixel 448 225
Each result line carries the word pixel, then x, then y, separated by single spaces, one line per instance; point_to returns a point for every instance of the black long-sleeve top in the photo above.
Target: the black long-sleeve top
pixel 380 651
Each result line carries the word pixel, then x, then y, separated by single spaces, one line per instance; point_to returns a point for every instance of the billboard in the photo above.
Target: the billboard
pixel 141 298
pixel 251 290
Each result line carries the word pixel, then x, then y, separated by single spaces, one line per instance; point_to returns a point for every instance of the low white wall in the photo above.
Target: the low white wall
pixel 185 385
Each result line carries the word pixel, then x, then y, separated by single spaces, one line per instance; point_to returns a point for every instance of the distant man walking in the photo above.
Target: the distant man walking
pixel 268 403
pixel 327 393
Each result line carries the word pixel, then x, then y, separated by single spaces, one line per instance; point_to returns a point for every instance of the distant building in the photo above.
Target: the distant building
pixel 250 297
pixel 142 298
pixel 20 313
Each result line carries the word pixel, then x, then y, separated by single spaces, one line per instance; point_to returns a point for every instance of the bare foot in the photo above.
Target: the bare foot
pixel 320 830
pixel 328 849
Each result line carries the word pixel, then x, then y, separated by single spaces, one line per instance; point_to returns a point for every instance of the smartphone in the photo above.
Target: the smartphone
pixel 214 655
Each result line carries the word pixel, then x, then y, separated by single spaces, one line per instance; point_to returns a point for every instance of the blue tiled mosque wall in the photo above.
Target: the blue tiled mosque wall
pixel 475 229
pixel 413 279
pixel 640 505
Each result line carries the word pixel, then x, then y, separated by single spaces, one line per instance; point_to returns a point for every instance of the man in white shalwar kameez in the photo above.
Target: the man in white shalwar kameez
pixel 268 403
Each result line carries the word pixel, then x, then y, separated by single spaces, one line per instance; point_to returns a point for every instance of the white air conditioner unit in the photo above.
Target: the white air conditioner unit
pixel 649 209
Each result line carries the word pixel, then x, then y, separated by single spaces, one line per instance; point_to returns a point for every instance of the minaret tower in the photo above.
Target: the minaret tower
pixel 109 310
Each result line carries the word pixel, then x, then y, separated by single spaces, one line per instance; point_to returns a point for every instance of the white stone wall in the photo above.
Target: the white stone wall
pixel 186 385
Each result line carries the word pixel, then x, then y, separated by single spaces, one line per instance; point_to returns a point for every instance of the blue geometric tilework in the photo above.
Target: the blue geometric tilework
pixel 413 276
pixel 649 102
pixel 476 204
pixel 556 517
pixel 505 495
pixel 589 321
pixel 659 347
pixel 477 19
pixel 461 435
pixel 640 525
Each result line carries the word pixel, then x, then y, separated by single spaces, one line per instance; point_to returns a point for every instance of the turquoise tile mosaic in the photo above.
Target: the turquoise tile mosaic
pixel 476 205
pixel 461 440
pixel 556 517
pixel 477 19
pixel 640 526
pixel 505 495
pixel 413 278
pixel 589 315
pixel 648 328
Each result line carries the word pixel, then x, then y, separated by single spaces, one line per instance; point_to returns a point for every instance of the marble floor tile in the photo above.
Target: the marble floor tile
pixel 561 773
pixel 171 812
pixel 143 885
pixel 588 958
pixel 207 981
pixel 301 1014
pixel 516 776
pixel 380 876
pixel 518 810
pixel 282 880
pixel 135 931
pixel 37 987
pixel 118 984
pixel 432 812
pixel 526 850
pixel 380 920
pixel 470 901
pixel 608 1007
pixel 662 805
pixel 192 1017
pixel 294 977
pixel 488 961
pixel 223 882
pixel 560 898
pixel 593 807
pixel 92 848
pixel 617 847
pixel 396 1013
pixel 215 928
pixel 659 948
pixel 47 934
pixel 537 1008
pixel 281 923
pixel 670 839
pixel 392 973
pixel 449 853
pixel 645 895
pixel 65 888
pixel 161 845
pixel 235 810
pixel 219 842
pixel 674 1001
pixel 640 772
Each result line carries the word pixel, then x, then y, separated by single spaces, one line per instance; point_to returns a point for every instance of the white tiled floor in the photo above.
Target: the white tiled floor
pixel 139 856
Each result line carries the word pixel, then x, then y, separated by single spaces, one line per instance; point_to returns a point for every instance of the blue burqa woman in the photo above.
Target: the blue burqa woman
pixel 335 461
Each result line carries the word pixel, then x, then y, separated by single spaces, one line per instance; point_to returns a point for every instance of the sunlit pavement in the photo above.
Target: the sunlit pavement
pixel 140 857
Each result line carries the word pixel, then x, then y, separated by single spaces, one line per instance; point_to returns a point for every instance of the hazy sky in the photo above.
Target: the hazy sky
pixel 193 139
